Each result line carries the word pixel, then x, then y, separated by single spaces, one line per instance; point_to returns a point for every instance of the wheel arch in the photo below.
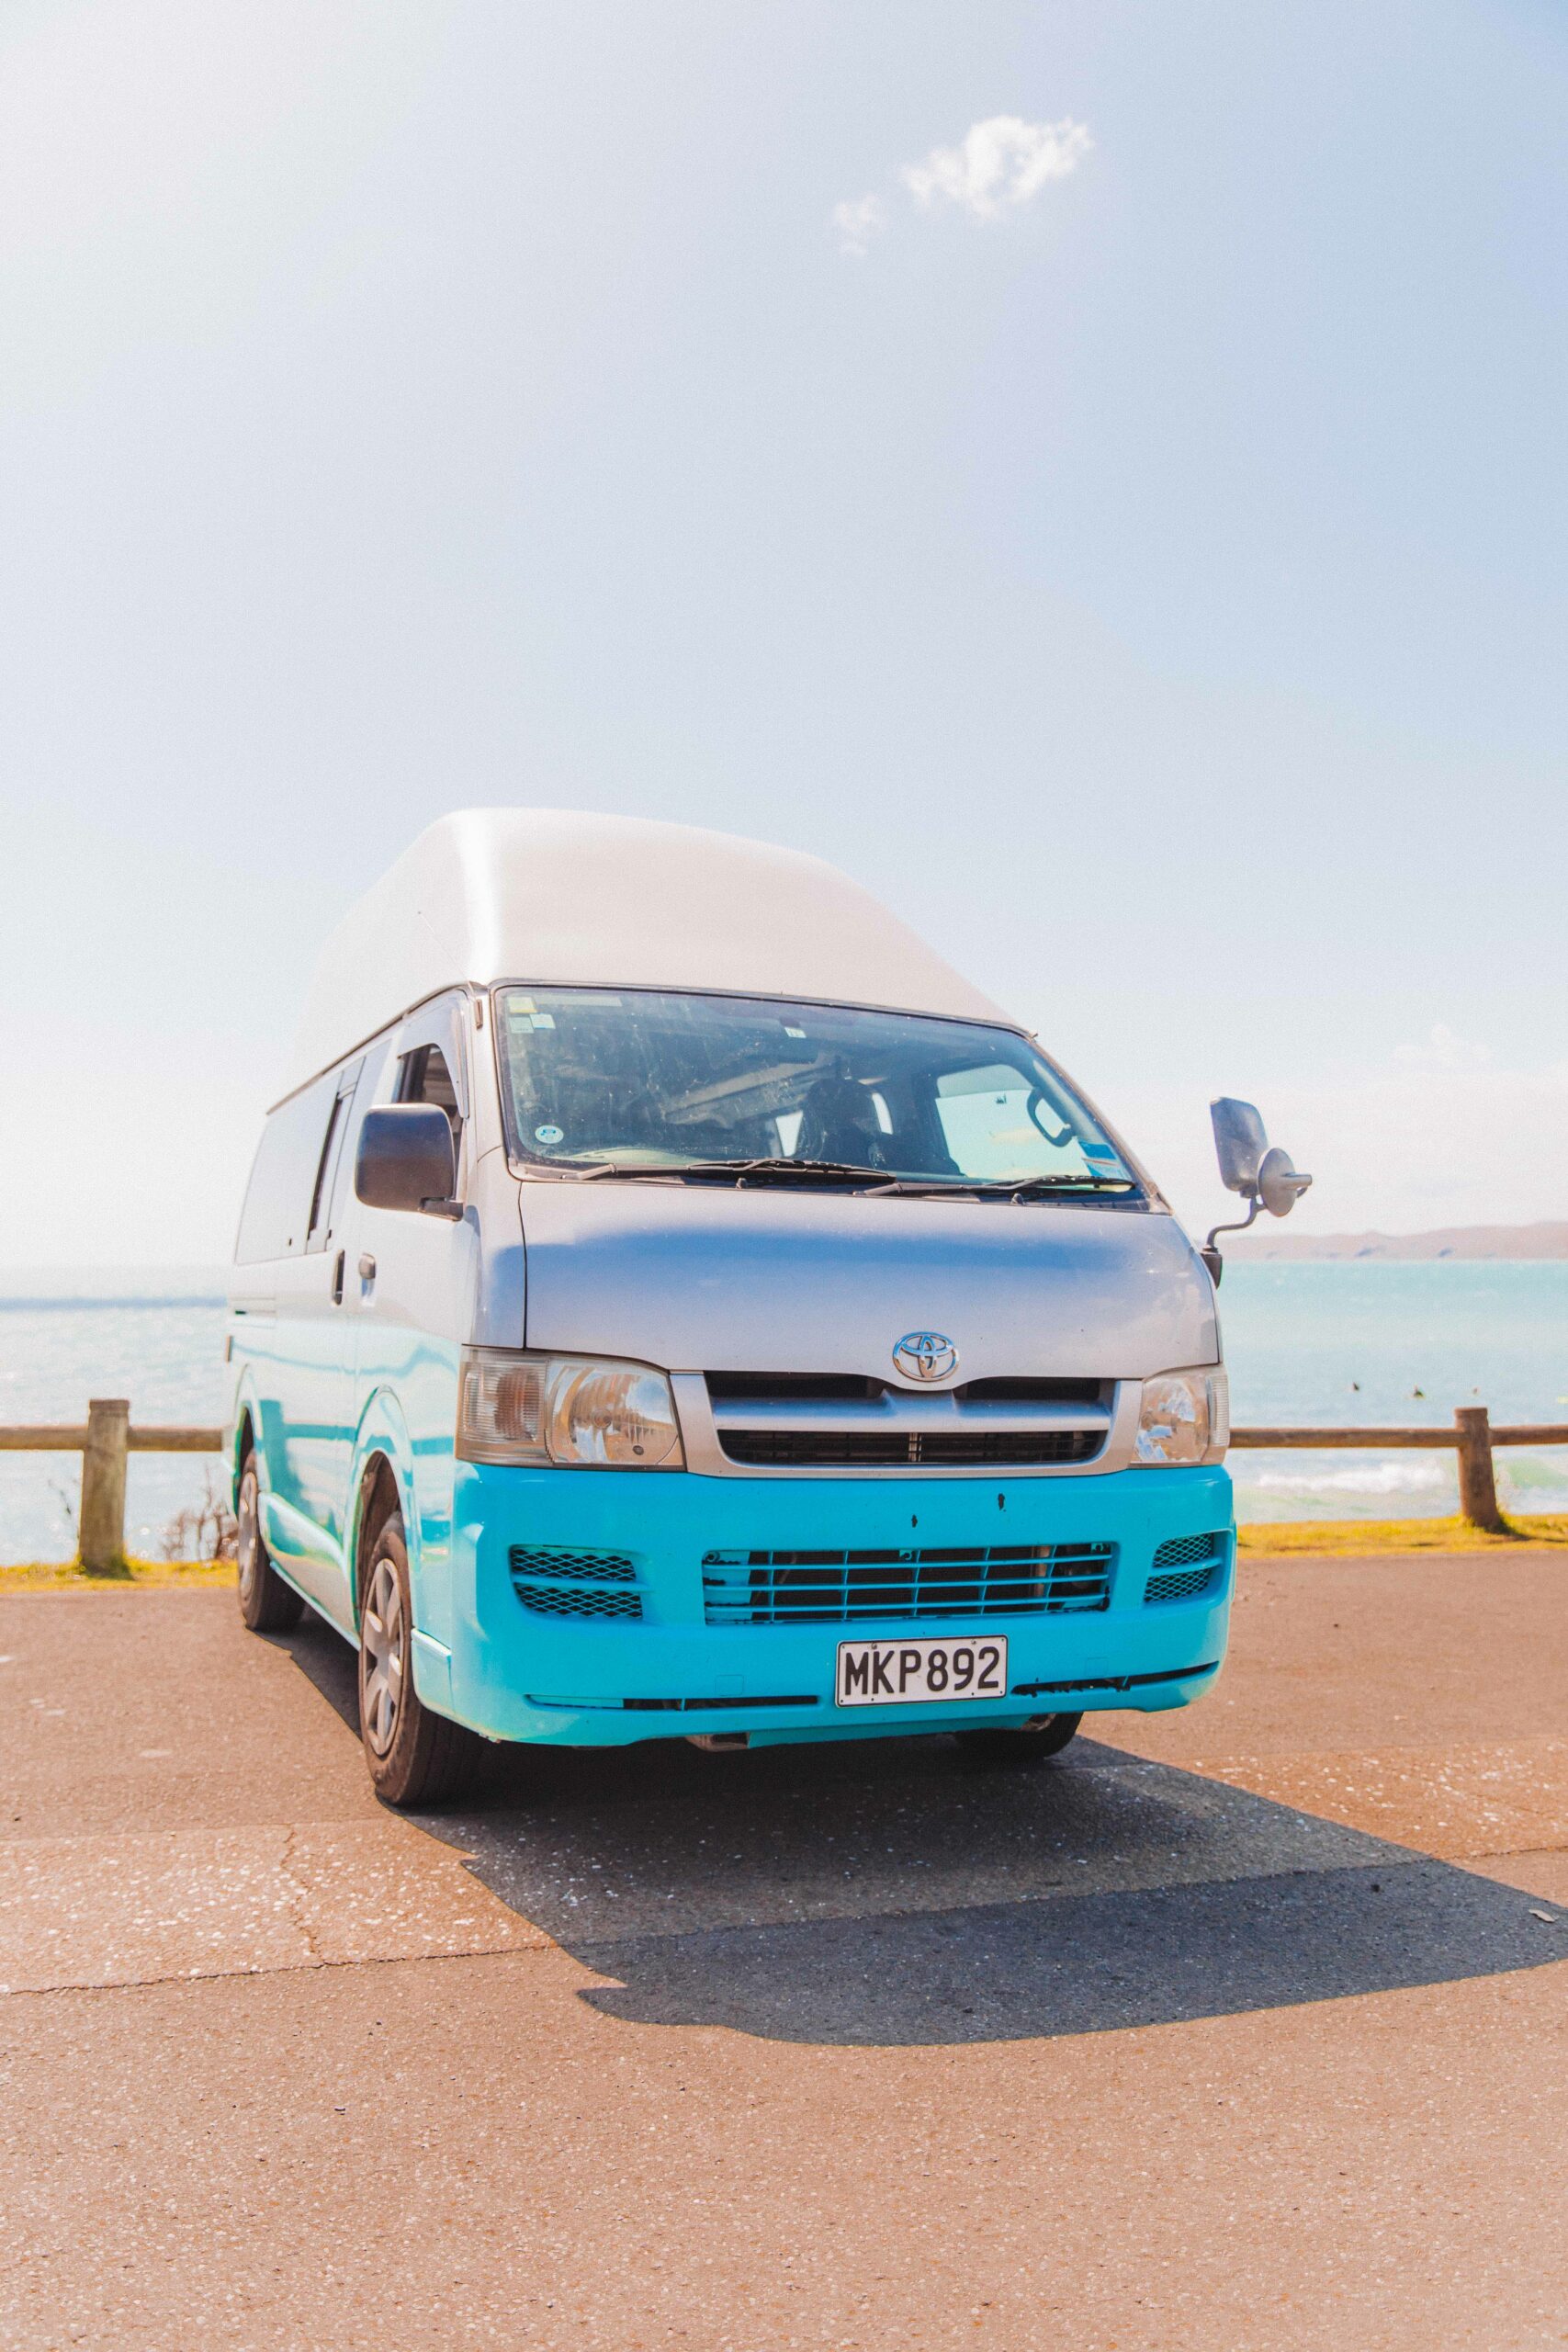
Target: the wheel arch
pixel 382 1484
pixel 247 1438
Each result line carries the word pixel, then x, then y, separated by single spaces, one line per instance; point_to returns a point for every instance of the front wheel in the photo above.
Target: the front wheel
pixel 415 1756
pixel 1026 1746
pixel 267 1603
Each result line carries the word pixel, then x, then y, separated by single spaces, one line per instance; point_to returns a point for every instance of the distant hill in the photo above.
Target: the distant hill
pixel 1268 1241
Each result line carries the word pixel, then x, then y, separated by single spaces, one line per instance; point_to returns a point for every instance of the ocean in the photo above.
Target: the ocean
pixel 1357 1341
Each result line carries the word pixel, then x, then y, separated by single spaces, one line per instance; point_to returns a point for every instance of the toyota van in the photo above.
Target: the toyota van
pixel 670 1301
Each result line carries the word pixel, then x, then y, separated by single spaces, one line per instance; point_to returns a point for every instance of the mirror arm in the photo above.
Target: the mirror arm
pixel 1211 1256
pixel 451 1210
pixel 1241 1225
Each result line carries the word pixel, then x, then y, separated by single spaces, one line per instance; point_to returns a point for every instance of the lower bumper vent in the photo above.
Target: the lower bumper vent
pixel 1190 1564
pixel 577 1600
pixel 574 1584
pixel 582 1567
pixel 1114 1681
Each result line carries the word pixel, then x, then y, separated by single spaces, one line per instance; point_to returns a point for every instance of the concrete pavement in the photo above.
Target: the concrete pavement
pixel 1240 2027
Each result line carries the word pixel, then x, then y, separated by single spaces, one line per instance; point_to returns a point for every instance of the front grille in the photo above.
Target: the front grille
pixel 905 1449
pixel 851 1588
pixel 1192 1562
pixel 1030 1391
pixel 794 1389
pixel 574 1584
pixel 855 1387
pixel 577 1600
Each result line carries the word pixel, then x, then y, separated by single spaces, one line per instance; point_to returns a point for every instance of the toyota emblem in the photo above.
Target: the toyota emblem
pixel 925 1356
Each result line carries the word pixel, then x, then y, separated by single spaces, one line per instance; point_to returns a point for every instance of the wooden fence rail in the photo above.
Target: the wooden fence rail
pixel 103 1442
pixel 106 1438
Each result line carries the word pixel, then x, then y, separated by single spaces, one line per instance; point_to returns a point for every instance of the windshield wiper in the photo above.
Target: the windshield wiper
pixel 837 1172
pixel 736 1172
pixel 748 1171
pixel 600 1169
pixel 1028 1186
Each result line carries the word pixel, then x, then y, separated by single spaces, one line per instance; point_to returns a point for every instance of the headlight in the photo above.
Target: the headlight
pixel 1182 1415
pixel 576 1413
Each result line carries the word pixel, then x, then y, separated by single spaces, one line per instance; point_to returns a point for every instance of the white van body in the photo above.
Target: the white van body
pixel 817 1480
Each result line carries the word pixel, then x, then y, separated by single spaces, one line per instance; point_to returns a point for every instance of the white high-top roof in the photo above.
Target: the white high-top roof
pixel 545 895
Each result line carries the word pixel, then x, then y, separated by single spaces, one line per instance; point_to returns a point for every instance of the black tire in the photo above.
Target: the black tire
pixel 267 1603
pixel 416 1756
pixel 1029 1746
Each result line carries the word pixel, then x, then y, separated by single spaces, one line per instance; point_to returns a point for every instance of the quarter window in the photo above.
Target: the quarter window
pixel 424 1076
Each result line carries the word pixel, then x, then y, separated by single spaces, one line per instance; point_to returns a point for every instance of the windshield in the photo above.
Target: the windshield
pixel 640 1080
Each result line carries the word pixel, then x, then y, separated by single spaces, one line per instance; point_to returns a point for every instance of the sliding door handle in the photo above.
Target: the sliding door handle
pixel 366 1266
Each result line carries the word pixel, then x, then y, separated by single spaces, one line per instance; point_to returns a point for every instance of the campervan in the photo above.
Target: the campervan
pixel 670 1301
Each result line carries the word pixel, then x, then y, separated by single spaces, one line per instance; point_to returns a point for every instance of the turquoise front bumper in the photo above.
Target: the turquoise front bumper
pixel 517 1675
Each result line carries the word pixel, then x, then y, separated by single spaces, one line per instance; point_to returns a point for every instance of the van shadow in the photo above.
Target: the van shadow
pixel 327 1663
pixel 886 1892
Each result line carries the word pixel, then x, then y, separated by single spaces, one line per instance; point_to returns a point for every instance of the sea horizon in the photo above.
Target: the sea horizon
pixel 1367 1341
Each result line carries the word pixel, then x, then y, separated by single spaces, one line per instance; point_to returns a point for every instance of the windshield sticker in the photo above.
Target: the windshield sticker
pixel 549 1135
pixel 544 1020
pixel 792 1032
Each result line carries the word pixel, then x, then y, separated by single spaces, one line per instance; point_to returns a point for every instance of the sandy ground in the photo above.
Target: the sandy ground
pixel 1241 2027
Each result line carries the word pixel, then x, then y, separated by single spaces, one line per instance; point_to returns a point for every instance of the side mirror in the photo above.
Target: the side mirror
pixel 1239 1144
pixel 1263 1175
pixel 1279 1183
pixel 1250 1164
pixel 406 1160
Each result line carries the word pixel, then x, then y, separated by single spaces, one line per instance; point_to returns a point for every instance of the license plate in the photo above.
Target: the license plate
pixel 902 1674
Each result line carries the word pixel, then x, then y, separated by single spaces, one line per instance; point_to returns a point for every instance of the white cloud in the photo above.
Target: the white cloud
pixel 857 222
pixel 999 166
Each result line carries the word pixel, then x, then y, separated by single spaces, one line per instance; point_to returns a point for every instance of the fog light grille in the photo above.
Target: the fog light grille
pixel 1182 1550
pixel 595 1567
pixel 554 1583
pixel 1192 1562
pixel 578 1601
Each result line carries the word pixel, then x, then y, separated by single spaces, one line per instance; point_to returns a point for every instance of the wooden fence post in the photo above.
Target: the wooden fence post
pixel 100 1535
pixel 1477 1486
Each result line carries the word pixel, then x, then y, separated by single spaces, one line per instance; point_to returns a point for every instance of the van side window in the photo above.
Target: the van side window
pixel 423 1077
pixel 274 1220
pixel 321 1193
pixel 326 1186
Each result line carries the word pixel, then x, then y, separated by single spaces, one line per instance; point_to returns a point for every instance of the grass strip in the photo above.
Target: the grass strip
pixel 146 1575
pixel 1339 1538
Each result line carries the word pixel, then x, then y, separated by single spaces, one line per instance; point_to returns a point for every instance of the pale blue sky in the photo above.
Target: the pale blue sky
pixel 1156 592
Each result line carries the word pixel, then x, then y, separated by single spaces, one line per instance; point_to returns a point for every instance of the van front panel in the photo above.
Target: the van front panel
pixel 600 1607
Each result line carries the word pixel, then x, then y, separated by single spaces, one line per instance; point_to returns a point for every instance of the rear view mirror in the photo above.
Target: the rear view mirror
pixel 405 1161
pixel 1239 1144
pixel 1250 1164
pixel 1265 1176
pixel 1279 1183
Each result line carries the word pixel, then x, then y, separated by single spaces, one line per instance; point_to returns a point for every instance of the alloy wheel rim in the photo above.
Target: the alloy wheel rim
pixel 382 1669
